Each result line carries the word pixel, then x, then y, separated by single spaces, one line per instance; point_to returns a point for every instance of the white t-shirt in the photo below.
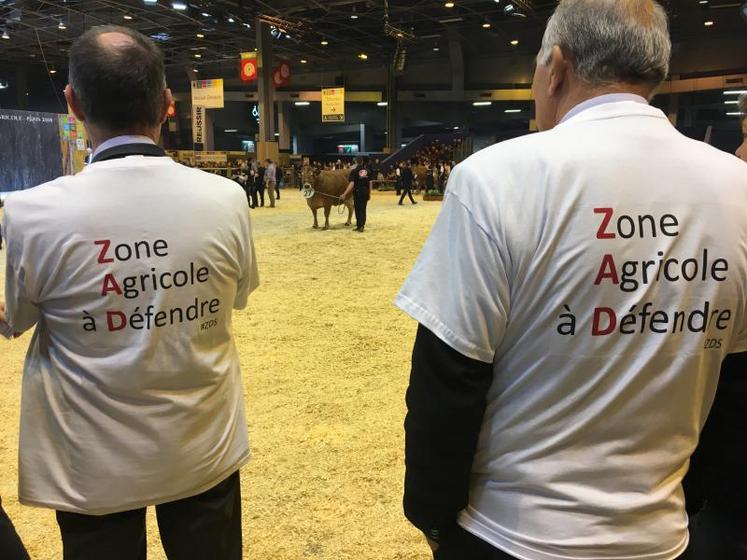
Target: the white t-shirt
pixel 589 426
pixel 132 387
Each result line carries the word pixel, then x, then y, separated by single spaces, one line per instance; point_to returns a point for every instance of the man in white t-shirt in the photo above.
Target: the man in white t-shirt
pixel 129 272
pixel 576 298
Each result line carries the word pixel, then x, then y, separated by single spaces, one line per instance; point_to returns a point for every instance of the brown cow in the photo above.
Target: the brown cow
pixel 328 187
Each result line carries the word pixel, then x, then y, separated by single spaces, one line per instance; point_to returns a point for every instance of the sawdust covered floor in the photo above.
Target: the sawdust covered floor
pixel 325 357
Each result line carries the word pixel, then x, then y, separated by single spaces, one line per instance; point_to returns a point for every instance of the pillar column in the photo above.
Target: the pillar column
pixel 284 126
pixel 267 146
pixel 392 113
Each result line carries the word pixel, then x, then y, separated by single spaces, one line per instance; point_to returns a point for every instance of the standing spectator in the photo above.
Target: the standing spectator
pixel 540 423
pixel 716 486
pixel 429 181
pixel 132 391
pixel 407 180
pixel 398 178
pixel 360 183
pixel 270 180
pixel 259 183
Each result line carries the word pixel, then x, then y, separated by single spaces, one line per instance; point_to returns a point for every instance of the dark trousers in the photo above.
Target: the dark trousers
pixel 406 191
pixel 204 526
pixel 462 545
pixel 11 547
pixel 361 205
pixel 259 195
pixel 716 533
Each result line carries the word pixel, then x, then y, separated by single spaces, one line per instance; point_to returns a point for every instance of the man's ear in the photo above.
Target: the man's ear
pixel 168 99
pixel 72 103
pixel 559 67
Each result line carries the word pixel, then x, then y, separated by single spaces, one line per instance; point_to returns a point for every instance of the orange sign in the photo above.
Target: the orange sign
pixel 171 112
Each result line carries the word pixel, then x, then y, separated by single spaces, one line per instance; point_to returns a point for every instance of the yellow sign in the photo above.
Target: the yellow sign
pixel 208 93
pixel 333 105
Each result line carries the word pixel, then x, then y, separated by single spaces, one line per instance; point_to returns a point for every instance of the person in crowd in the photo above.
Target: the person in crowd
pixel 270 180
pixel 360 184
pixel 429 180
pixel 715 485
pixel 408 178
pixel 553 408
pixel 132 389
pixel 398 178
pixel 441 171
pixel 259 185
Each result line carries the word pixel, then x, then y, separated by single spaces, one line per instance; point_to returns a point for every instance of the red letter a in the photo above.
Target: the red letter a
pixel 110 285
pixel 607 270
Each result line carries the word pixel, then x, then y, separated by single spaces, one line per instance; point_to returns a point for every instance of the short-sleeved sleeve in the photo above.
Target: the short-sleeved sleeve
pixel 459 288
pixel 249 273
pixel 22 311
pixel 351 177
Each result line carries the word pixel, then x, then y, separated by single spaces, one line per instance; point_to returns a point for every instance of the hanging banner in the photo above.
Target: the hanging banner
pixel 333 105
pixel 248 67
pixel 198 124
pixel 281 75
pixel 208 93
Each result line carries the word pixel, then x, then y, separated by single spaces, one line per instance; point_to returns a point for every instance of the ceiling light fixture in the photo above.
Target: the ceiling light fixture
pixel 302 103
pixel 62 26
pixel 200 36
pixel 195 70
pixel 456 128
pixel 127 16
pixel 52 71
pixel 304 61
pixel 5 35
pixel 363 56
pixel 181 6
pixel 382 104
pixel 146 2
pixel 736 92
pixel 512 111
pixel 731 102
pixel 205 14
pixel 436 49
pixel 449 5
pixel 736 114
pixel 482 103
pixel 486 25
pixel 515 42
pixel 198 56
pixel 231 20
pixel 324 43
pixel 708 23
pixel 230 130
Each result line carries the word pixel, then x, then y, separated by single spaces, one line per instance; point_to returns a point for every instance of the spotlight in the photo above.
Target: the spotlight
pixel 62 26
pixel 324 43
pixel 181 6
pixel 5 35
pixel 127 16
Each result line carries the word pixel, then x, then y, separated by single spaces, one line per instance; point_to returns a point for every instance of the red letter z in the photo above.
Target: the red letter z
pixel 104 248
pixel 602 231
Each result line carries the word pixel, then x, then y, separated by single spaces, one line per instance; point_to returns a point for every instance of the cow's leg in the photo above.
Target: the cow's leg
pixel 327 209
pixel 316 221
pixel 349 204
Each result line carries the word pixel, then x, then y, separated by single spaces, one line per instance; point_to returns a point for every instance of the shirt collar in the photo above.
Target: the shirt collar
pixel 603 100
pixel 121 141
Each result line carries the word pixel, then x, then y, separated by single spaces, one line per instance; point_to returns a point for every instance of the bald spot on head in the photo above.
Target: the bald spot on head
pixel 114 40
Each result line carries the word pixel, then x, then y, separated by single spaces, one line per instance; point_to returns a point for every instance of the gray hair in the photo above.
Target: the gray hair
pixel 743 106
pixel 611 41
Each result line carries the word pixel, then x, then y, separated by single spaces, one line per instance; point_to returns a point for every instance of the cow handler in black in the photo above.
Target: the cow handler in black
pixel 360 184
